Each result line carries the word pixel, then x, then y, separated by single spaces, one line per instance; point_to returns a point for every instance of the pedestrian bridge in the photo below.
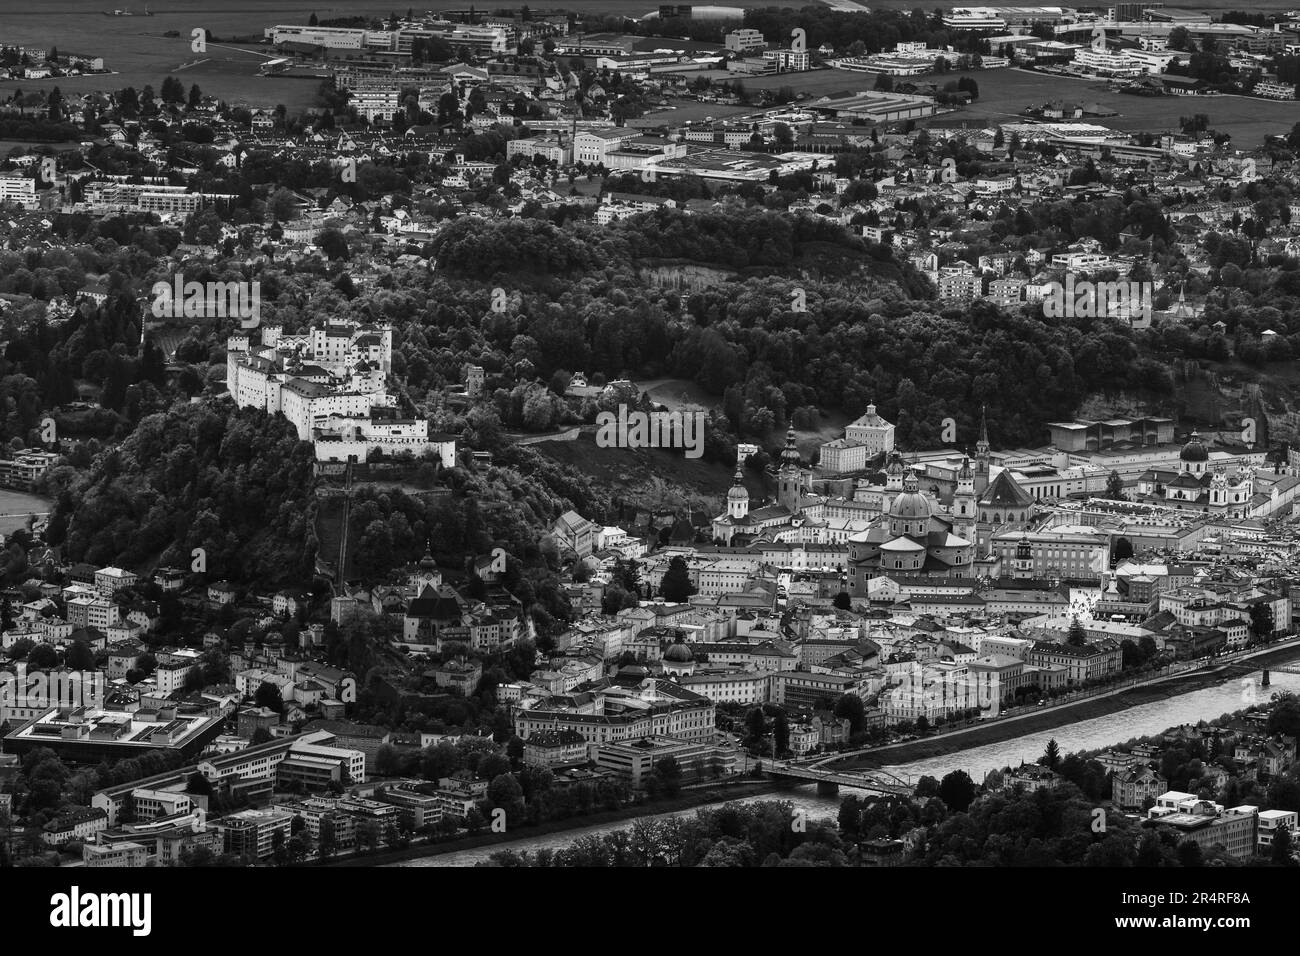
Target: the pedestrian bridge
pixel 829 781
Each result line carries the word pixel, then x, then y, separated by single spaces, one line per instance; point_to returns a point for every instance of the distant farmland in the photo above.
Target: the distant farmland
pixel 1004 94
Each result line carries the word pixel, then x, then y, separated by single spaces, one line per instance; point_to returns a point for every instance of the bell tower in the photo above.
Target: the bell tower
pixel 982 456
pixel 738 497
pixel 790 477
pixel 963 503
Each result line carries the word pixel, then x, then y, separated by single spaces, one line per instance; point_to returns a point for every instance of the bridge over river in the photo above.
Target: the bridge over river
pixel 828 782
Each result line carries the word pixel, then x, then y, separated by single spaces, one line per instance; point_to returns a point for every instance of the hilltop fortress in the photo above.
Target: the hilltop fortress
pixel 331 383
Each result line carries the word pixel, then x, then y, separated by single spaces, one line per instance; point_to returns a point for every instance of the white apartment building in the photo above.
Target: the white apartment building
pixel 1153 61
pixel 1107 63
pixel 1275 90
pixel 593 146
pixel 1273 821
pixel 1007 292
pixel 108 196
pixel 15 187
pixel 959 287
pixel 111 580
pixel 170 677
pixel 85 611
pixel 744 41
pixel 787 61
pixel 1081 261
pixel 376 102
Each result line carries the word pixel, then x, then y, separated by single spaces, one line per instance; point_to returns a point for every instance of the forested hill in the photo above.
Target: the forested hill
pixel 743 239
pixel 237 484
pixel 777 346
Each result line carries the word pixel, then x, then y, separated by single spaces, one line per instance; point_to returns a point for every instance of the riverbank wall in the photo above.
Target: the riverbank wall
pixel 686 800
pixel 994 732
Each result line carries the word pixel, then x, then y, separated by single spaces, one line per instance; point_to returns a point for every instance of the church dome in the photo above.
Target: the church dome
pixel 1194 450
pixel 737 489
pixel 911 505
pixel 427 563
pixel 678 653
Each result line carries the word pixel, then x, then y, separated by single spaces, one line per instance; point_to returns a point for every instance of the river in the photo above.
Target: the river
pixel 1097 733
pixel 1100 732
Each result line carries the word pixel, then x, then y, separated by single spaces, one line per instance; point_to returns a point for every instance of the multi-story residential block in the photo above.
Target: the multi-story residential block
pixel 1271 822
pixel 1275 90
pixel 959 286
pixel 744 40
pixel 111 580
pixel 1133 786
pixel 85 611
pixel 17 187
pixel 787 61
pixel 253 834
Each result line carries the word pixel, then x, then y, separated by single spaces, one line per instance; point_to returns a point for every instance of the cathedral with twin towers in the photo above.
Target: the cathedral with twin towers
pixel 890 526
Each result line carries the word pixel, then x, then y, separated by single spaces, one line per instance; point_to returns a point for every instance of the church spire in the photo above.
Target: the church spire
pixel 789 477
pixel 790 454
pixel 982 455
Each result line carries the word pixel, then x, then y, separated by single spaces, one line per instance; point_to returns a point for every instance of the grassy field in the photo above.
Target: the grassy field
pixel 697 112
pixel 15 506
pixel 1004 94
